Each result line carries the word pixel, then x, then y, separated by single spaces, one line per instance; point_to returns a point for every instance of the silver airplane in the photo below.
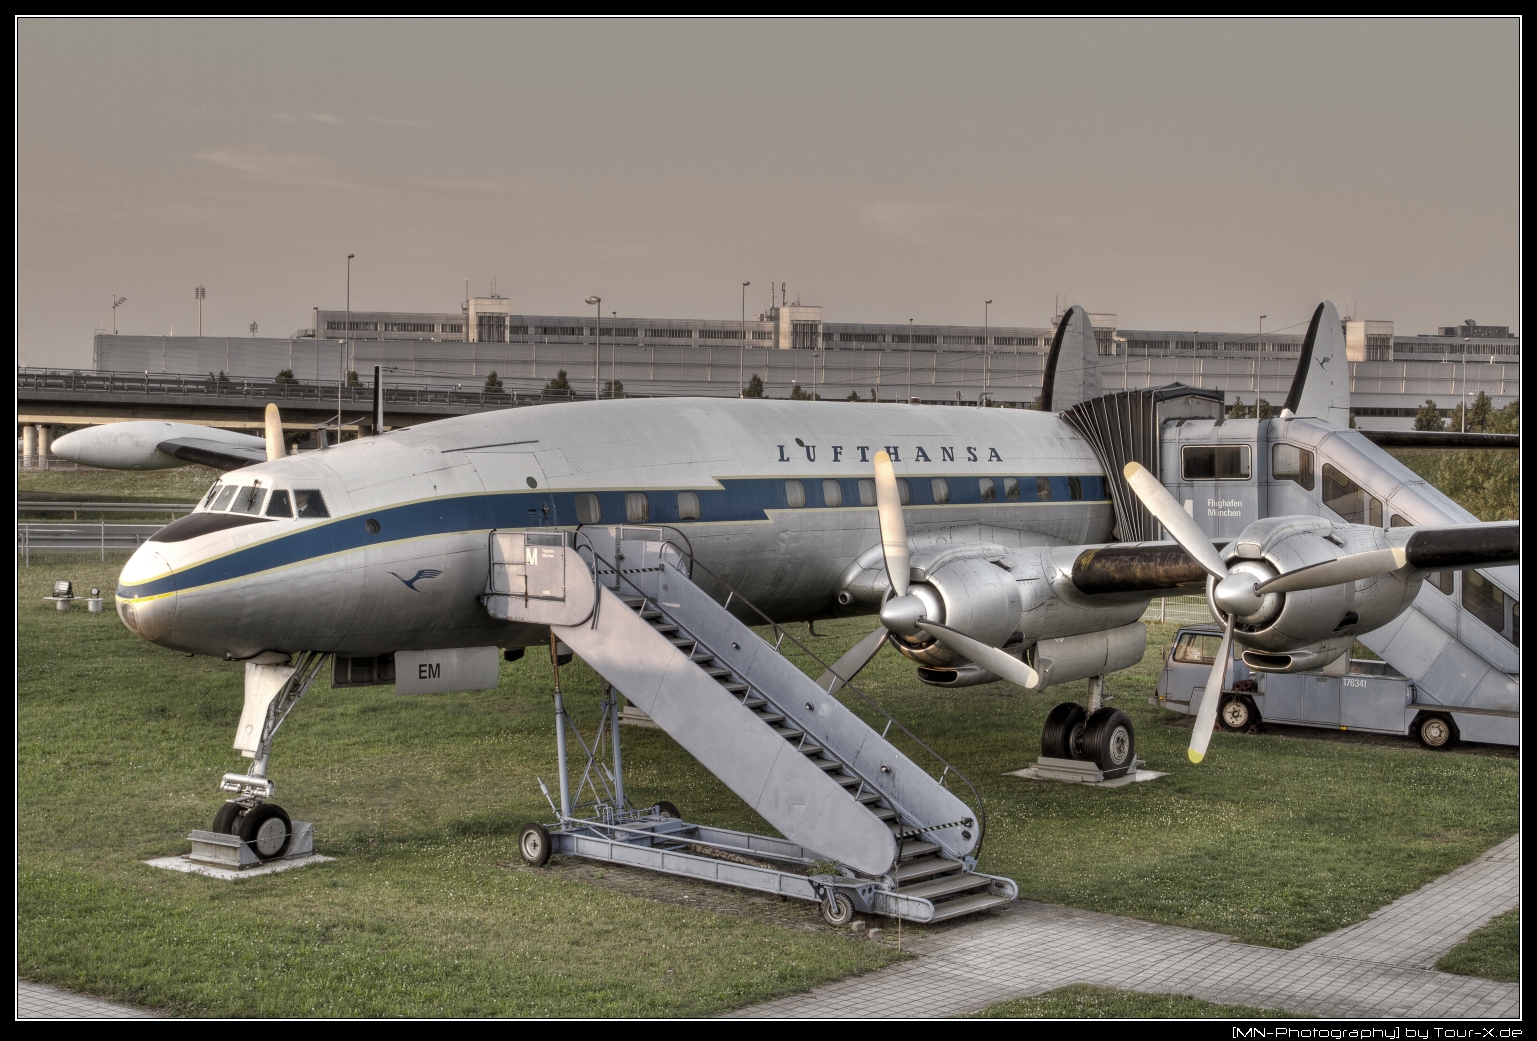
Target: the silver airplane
pixel 983 538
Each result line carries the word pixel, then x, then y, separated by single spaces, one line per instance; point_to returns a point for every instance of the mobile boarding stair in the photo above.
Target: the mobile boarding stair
pixel 889 838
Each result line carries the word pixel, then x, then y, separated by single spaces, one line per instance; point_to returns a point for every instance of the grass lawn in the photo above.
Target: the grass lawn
pixel 1493 952
pixel 181 484
pixel 1274 839
pixel 1081 1001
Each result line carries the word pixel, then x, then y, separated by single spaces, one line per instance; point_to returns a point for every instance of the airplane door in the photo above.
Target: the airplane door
pixel 524 500
pixel 1321 699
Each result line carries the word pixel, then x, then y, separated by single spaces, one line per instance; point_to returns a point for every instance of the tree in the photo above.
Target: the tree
pixel 1428 417
pixel 797 393
pixel 218 378
pixel 754 388
pixel 1506 420
pixel 613 389
pixel 352 380
pixel 558 385
pixel 853 396
pixel 1238 410
pixel 286 376
pixel 1262 409
pixel 493 384
pixel 1480 413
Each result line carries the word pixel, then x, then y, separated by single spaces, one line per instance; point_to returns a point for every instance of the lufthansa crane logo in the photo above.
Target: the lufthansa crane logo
pixel 410 583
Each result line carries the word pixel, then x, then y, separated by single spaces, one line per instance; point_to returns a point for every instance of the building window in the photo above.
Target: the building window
pixel 670 334
pixel 628 334
pixel 562 330
pixel 588 509
pixel 1290 463
pixel 832 493
pixel 1216 462
pixel 795 494
pixel 762 334
pixel 861 338
pixel 720 334
pixel 637 508
pixel 516 330
pixel 409 327
pixel 986 490
pixel 941 489
pixel 452 327
pixel 805 335
pixel 688 505
pixel 920 338
pixel 1484 600
pixel 867 492
pixel 1349 500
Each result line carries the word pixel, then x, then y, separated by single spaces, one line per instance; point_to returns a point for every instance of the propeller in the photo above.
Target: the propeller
pixel 1241 594
pixel 857 657
pixel 904 613
pixel 274 424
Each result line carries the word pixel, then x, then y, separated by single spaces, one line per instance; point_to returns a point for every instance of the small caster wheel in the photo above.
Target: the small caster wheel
pixel 667 809
pixel 224 822
pixel 1110 742
pixel 267 830
pixel 1437 732
pixel 1062 736
pixel 838 910
pixel 534 845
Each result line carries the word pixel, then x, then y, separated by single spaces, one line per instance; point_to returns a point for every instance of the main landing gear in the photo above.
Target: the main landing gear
pixel 271 691
pixel 1097 734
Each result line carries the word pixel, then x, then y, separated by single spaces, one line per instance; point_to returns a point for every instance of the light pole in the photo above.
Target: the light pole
pixel 117 301
pixel 741 351
pixel 613 348
pixel 987 347
pixel 909 361
pixel 199 293
pixel 253 329
pixel 341 355
pixel 597 347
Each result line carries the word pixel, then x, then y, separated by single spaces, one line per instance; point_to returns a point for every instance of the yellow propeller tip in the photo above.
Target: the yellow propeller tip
pixel 1195 757
pixel 1131 468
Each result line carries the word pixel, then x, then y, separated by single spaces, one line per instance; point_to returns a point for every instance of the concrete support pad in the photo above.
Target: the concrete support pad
pixel 1040 772
pixel 185 863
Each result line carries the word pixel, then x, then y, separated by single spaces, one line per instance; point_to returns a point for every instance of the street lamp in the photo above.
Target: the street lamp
pixel 597 346
pixel 117 301
pixel 199 293
pixel 987 347
pixel 909 362
pixel 741 351
pixel 253 328
pixel 341 355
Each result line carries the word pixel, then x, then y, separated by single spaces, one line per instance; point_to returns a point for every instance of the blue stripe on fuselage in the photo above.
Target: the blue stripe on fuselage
pixel 744 500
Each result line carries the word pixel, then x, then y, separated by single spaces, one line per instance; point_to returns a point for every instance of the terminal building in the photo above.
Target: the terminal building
pixel 792 350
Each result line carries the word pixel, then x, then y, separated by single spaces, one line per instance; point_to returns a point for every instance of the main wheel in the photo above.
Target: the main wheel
pixel 838 909
pixel 1437 732
pixel 1062 736
pixel 667 809
pixel 224 821
pixel 267 830
pixel 1237 713
pixel 534 844
pixel 1109 740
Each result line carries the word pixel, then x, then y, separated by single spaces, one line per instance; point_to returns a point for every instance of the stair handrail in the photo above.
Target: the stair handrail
pixel 780 634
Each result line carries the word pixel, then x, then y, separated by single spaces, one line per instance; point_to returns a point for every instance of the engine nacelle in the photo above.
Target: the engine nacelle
pixel 1070 658
pixel 1303 659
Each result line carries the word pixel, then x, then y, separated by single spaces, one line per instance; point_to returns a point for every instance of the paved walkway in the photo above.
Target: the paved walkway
pixel 1377 968
pixel 40 1001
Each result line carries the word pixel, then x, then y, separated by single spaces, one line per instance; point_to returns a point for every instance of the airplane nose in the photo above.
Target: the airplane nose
pixel 146 595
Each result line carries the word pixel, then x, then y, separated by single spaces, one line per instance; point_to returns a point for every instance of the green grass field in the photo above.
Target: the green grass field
pixel 1081 1001
pixel 1493 952
pixel 426 911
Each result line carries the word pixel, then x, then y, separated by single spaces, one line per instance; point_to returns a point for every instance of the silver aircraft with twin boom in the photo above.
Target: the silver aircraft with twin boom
pixel 994 544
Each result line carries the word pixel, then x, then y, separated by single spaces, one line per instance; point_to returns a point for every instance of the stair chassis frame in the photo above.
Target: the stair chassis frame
pixel 615 831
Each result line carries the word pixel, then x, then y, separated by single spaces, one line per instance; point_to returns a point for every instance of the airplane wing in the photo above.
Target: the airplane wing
pixel 218 454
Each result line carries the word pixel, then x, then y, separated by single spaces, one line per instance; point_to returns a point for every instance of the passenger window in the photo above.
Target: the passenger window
pixel 212 491
pixel 279 507
pixel 1484 600
pixel 222 502
pixel 867 492
pixel 1043 489
pixel 795 494
pixel 1290 463
pixel 903 491
pixel 1349 500
pixel 1216 462
pixel 588 509
pixel 986 489
pixel 688 505
pixel 941 489
pixel 832 493
pixel 637 508
pixel 249 500
pixel 1074 488
pixel 1011 489
pixel 309 503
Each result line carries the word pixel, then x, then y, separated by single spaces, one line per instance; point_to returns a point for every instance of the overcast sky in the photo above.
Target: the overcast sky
pixel 1182 174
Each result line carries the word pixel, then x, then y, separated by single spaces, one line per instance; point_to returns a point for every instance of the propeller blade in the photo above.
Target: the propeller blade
pixel 274 433
pixel 1181 527
pixel 847 667
pixel 1350 568
pixel 1206 716
pixel 992 659
pixel 888 504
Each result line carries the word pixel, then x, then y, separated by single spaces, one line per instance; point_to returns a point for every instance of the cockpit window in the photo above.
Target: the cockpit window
pixel 213 490
pixel 222 502
pixel 310 503
pixel 279 506
pixel 249 500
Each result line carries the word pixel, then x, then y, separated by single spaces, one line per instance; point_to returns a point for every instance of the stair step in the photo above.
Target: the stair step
pixel 810 748
pixel 752 701
pixel 946 885
pixel 917 848
pixel 924 868
pixel 966 905
pixel 789 733
pixel 736 687
pixel 772 718
pixel 714 671
pixel 848 781
pixel 887 814
pixel 828 765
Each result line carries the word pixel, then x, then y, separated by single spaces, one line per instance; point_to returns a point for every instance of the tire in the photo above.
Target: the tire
pixel 267 830
pixel 667 809
pixel 1110 741
pixel 224 821
pixel 1237 713
pixel 1436 731
pixel 534 845
pixel 1062 736
pixel 838 910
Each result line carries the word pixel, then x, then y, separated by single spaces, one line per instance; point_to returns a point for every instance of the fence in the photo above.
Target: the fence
pixel 1180 610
